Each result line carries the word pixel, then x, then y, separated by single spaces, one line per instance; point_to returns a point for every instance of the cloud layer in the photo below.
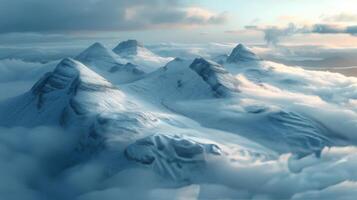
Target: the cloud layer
pixel 100 15
pixel 343 23
pixel 273 34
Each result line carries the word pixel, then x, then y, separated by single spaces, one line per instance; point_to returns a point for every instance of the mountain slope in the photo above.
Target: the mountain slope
pixel 71 89
pixel 191 89
pixel 185 80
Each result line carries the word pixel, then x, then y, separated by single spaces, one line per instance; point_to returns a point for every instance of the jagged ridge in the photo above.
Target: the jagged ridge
pixel 70 74
pixel 219 79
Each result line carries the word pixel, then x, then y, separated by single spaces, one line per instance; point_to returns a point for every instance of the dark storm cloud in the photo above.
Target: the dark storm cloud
pixel 98 15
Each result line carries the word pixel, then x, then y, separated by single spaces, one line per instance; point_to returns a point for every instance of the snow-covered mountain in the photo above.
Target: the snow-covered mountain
pixel 131 48
pixel 107 63
pixel 99 56
pixel 70 90
pixel 225 127
pixel 186 79
pixel 136 53
pixel 242 53
pixel 192 88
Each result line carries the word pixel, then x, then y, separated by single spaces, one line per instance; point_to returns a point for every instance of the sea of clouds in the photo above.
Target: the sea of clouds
pixel 41 163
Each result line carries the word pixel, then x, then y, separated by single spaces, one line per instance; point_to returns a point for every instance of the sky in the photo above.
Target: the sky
pixel 296 22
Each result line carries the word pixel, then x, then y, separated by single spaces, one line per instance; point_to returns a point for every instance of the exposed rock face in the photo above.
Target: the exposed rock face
pixel 242 54
pixel 172 156
pixel 129 67
pixel 218 78
pixel 68 77
pixel 129 47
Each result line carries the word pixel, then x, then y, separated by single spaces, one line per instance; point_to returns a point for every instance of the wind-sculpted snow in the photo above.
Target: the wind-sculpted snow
pixel 171 156
pixel 190 128
pixel 126 126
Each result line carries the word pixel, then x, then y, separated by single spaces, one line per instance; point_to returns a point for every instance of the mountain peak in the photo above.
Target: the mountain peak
pixel 95 48
pixel 97 45
pixel 242 53
pixel 94 52
pixel 129 47
pixel 133 43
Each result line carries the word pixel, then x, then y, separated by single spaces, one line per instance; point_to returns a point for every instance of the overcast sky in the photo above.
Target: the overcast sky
pixel 332 22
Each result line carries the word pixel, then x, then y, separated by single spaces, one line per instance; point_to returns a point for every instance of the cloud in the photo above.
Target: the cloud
pixel 327 29
pixel 342 17
pixel 39 163
pixel 352 30
pixel 19 70
pixel 273 34
pixel 30 158
pixel 100 15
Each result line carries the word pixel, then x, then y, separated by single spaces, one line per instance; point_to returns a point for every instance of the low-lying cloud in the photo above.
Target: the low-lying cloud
pixel 30 158
pixel 39 163
pixel 342 17
pixel 273 34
